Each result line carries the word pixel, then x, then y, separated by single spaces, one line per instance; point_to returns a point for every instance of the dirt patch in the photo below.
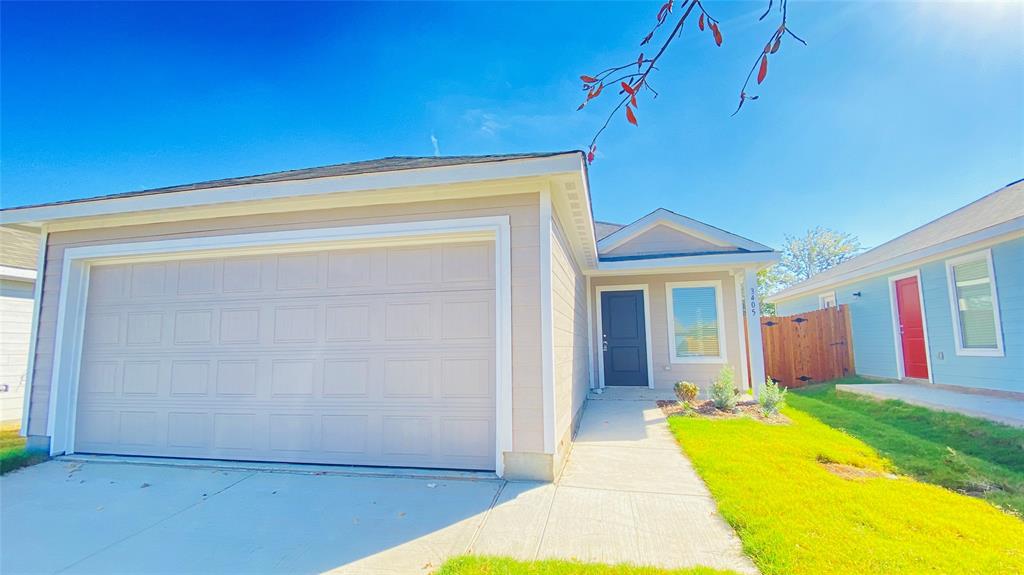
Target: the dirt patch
pixel 708 410
pixel 854 473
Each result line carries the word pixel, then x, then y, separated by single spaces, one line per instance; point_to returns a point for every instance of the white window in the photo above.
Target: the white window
pixel 974 305
pixel 696 323
pixel 827 300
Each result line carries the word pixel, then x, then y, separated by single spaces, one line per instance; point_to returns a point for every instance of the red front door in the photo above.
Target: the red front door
pixel 908 306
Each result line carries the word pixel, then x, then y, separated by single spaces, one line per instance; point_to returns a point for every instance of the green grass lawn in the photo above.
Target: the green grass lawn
pixel 504 566
pixel 963 453
pixel 796 516
pixel 12 450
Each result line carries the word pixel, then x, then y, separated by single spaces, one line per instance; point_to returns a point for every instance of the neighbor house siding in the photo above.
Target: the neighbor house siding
pixel 874 341
pixel 15 331
pixel 666 373
pixel 1004 373
pixel 522 207
pixel 569 338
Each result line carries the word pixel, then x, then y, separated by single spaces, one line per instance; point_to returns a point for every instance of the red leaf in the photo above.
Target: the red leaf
pixel 718 34
pixel 598 91
pixel 647 38
pixel 775 46
pixel 581 106
pixel 590 154
pixel 639 61
pixel 588 79
pixel 629 89
pixel 630 116
pixel 632 99
pixel 700 22
pixel 665 9
pixel 761 73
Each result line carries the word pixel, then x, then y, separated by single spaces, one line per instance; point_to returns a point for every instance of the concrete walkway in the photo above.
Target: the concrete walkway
pixel 627 495
pixel 1001 409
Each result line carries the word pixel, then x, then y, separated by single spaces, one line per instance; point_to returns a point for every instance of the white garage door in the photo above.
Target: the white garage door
pixel 379 356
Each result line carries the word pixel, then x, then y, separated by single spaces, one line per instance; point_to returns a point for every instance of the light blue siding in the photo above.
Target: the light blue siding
pixel 874 343
pixel 1004 373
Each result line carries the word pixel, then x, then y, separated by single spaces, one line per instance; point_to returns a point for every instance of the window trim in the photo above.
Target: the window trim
pixel 955 310
pixel 822 297
pixel 722 356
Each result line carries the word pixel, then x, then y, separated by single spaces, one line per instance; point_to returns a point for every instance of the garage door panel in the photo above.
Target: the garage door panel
pixel 360 357
pixel 339 272
pixel 451 316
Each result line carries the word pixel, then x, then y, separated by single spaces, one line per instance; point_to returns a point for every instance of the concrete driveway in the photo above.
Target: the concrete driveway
pixel 627 495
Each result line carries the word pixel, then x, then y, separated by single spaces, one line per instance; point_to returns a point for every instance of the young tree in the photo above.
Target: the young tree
pixel 817 250
pixel 630 84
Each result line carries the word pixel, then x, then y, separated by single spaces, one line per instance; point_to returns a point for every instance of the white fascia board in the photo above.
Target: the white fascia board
pixel 708 262
pixel 21 274
pixel 696 228
pixel 981 238
pixel 444 175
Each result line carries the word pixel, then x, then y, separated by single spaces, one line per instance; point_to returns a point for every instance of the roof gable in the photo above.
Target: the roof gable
pixel 663 232
pixel 999 212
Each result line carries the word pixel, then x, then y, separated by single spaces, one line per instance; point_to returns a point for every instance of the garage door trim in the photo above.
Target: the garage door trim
pixel 78 260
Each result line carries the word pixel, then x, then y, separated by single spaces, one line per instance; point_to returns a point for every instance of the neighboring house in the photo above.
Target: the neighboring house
pixel 943 303
pixel 18 253
pixel 421 312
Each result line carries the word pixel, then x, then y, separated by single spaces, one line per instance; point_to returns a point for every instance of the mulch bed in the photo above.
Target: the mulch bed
pixel 707 409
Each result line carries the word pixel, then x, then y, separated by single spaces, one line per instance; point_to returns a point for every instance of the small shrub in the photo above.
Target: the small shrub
pixel 723 392
pixel 686 391
pixel 773 398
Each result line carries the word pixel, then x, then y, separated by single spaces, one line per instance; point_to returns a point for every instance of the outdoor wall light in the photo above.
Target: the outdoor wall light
pixel 856 294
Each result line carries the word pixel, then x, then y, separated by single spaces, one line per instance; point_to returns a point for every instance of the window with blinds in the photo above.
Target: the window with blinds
pixel 696 325
pixel 976 310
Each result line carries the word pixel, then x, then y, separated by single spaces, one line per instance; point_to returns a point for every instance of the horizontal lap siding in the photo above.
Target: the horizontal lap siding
pixel 523 212
pixel 569 341
pixel 666 373
pixel 1003 373
pixel 15 331
pixel 874 343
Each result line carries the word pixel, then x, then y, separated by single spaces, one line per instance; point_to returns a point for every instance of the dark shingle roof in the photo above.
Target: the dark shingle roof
pixel 390 164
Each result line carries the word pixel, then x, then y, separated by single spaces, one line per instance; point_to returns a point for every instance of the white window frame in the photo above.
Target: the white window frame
pixel 894 311
pixel 78 260
pixel 955 309
pixel 647 328
pixel 670 322
pixel 825 296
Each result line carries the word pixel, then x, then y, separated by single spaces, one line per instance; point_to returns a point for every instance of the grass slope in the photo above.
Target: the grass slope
pixel 13 454
pixel 471 565
pixel 795 516
pixel 963 453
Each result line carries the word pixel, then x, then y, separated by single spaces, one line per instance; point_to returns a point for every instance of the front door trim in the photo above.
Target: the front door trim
pixel 647 328
pixel 75 281
pixel 895 312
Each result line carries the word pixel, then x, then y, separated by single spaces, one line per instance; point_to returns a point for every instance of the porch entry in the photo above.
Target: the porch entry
pixel 623 338
pixel 911 326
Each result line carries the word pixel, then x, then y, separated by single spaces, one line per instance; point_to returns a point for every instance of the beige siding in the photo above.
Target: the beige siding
pixel 522 209
pixel 663 239
pixel 569 342
pixel 666 373
pixel 15 330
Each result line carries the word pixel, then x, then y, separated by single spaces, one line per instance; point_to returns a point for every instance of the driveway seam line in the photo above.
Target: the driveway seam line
pixel 148 527
pixel 640 491
pixel 487 515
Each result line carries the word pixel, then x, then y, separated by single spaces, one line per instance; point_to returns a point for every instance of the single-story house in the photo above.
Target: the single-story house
pixel 440 312
pixel 18 253
pixel 943 303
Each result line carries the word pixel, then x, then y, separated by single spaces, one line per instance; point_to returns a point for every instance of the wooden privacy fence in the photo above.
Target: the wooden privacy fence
pixel 808 347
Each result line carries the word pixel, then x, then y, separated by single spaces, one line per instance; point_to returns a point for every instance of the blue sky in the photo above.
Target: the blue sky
pixel 895 113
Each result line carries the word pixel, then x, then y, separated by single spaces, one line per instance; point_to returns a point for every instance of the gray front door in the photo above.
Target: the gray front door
pixel 623 337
